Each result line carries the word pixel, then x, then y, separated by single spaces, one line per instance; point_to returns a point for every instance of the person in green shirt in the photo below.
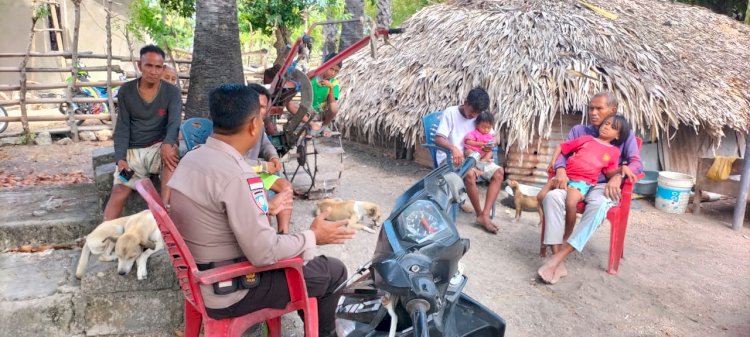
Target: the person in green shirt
pixel 325 96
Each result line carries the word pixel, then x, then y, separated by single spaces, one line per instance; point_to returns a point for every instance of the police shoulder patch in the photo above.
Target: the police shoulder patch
pixel 258 194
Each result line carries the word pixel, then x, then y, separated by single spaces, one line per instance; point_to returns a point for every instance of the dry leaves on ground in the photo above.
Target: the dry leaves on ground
pixel 9 180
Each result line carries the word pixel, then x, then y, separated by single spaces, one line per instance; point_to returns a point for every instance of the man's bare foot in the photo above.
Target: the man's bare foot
pixel 561 270
pixel 547 272
pixel 487 224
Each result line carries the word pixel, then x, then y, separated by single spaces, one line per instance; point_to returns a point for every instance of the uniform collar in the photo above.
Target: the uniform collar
pixel 216 144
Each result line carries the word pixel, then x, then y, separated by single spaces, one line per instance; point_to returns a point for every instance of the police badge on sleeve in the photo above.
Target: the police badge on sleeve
pixel 258 194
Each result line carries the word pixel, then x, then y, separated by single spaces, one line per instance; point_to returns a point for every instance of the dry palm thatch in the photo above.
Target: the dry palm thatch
pixel 670 65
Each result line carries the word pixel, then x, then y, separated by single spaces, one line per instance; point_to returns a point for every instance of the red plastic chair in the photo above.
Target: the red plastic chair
pixel 190 278
pixel 618 218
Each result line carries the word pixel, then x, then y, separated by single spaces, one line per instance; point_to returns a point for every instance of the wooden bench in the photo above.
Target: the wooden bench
pixel 729 187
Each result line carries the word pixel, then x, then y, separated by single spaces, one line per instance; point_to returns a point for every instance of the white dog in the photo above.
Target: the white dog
pixel 140 239
pixel 101 241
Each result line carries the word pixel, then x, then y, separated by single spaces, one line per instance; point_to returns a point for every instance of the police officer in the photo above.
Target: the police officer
pixel 219 206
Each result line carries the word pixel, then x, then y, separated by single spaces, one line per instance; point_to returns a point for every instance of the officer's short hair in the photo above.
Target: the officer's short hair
pixel 230 106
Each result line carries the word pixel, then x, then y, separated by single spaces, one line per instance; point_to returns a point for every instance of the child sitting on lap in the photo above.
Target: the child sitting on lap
pixel 482 140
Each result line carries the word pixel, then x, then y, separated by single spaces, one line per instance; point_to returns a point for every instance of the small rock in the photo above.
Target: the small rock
pixel 104 135
pixel 64 141
pixel 43 138
pixel 88 136
pixel 9 140
pixel 39 212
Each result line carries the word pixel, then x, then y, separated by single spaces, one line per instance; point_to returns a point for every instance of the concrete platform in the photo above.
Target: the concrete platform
pixel 45 214
pixel 39 296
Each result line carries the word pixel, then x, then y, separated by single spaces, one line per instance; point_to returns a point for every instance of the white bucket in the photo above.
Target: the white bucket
pixel 673 192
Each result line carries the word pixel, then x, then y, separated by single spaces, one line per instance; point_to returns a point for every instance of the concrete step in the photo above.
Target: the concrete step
pixel 47 214
pixel 39 296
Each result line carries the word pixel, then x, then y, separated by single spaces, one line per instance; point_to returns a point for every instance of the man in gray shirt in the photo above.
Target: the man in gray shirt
pixel 146 133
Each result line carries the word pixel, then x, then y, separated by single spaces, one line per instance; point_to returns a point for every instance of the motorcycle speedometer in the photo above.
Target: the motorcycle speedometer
pixel 421 221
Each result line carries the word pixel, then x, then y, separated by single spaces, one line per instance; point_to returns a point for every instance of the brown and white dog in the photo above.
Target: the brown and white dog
pixel 523 201
pixel 129 239
pixel 351 210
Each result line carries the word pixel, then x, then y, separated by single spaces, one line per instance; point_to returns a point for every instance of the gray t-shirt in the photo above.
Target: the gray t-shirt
pixel 141 124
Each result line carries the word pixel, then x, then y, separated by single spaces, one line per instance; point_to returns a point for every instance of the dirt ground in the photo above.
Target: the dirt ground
pixel 683 275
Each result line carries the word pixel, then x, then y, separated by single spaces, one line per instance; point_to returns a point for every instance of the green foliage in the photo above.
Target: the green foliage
pixel 184 8
pixel 165 26
pixel 400 9
pixel 264 15
pixel 39 11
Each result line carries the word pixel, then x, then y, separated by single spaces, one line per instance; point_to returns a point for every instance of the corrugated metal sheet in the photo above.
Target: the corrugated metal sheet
pixel 529 166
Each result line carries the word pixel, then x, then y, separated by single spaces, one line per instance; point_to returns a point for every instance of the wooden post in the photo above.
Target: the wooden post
pixel 74 72
pixel 24 113
pixel 110 101
pixel 58 33
pixel 739 210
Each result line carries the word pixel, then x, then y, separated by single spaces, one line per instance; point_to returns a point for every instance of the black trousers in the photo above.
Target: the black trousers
pixel 322 275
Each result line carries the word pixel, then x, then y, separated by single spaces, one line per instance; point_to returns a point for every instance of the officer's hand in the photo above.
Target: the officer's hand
pixel 327 232
pixel 169 156
pixel 280 202
pixel 122 165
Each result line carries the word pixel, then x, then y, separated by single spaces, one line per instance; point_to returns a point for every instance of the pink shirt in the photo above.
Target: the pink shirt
pixel 590 157
pixel 478 137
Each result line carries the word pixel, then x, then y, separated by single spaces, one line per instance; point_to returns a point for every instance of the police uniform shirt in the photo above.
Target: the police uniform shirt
pixel 219 206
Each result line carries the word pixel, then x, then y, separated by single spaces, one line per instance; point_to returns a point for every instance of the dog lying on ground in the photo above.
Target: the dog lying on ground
pixel 132 238
pixel 524 202
pixel 140 239
pixel 351 210
pixel 101 241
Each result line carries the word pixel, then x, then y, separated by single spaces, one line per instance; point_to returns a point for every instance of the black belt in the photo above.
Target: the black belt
pixel 229 286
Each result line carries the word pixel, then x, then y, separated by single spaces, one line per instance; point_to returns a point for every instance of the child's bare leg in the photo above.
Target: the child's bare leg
pixel 572 199
pixel 543 193
pixel 284 217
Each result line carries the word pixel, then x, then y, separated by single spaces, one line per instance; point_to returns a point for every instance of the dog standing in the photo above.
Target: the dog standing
pixel 101 241
pixel 351 210
pixel 523 201
pixel 140 239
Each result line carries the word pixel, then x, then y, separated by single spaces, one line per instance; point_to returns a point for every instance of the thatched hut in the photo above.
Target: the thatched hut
pixel 673 66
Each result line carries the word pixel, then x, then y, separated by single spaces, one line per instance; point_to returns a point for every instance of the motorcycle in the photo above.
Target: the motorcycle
pixel 413 285
pixel 3 125
pixel 90 92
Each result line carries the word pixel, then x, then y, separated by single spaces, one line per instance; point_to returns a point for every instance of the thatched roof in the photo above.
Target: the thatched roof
pixel 670 64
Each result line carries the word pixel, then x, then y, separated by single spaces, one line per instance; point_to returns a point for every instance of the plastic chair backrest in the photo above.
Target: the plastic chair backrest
pixel 430 122
pixel 196 131
pixel 182 261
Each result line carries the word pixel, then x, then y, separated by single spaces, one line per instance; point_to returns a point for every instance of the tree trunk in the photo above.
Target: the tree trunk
pixel 216 53
pixel 384 18
pixel 329 35
pixel 747 13
pixel 282 44
pixel 351 32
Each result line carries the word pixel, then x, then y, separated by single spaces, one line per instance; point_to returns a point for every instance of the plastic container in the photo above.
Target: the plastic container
pixel 673 192
pixel 647 185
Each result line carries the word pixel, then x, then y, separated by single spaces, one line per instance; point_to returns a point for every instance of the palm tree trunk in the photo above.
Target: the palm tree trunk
pixel 329 34
pixel 216 53
pixel 351 32
pixel 282 43
pixel 384 18
pixel 747 13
